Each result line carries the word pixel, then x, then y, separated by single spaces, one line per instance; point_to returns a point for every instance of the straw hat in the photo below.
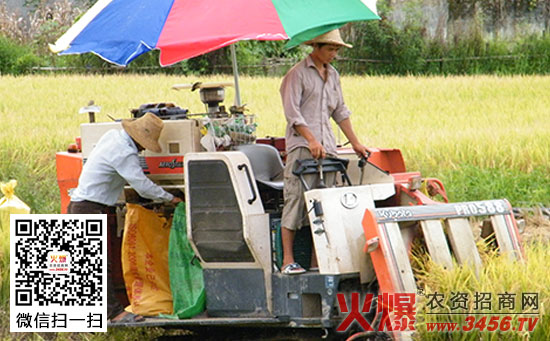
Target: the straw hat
pixel 331 37
pixel 145 131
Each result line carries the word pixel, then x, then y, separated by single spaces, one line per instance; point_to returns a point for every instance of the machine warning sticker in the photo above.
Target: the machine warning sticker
pixel 58 266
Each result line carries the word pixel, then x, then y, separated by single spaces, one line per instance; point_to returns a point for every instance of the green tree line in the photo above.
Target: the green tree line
pixel 380 47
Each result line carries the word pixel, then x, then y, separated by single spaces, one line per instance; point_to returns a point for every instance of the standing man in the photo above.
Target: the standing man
pixel 311 95
pixel 112 163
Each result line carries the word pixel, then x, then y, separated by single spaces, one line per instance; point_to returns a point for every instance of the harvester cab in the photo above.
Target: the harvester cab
pixel 232 182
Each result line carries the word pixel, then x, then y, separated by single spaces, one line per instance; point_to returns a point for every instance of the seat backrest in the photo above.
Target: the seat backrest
pixel 265 161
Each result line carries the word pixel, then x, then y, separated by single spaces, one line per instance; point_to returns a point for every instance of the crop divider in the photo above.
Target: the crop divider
pixel 448 237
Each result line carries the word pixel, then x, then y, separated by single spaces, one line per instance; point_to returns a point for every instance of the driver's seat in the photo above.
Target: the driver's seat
pixel 266 164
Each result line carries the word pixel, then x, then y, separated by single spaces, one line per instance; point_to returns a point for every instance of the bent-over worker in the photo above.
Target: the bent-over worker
pixel 112 163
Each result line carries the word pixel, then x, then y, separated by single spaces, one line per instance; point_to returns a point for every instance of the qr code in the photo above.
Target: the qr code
pixel 58 271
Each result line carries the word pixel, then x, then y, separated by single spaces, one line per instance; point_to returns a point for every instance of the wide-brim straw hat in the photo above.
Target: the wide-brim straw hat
pixel 145 131
pixel 331 37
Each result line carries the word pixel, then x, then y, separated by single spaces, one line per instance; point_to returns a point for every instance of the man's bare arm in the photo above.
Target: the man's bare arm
pixel 346 127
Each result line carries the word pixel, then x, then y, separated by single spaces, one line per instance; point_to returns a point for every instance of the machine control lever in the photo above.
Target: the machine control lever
pixel 361 164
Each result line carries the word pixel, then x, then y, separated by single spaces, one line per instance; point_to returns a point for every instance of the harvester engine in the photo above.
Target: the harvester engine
pixel 166 111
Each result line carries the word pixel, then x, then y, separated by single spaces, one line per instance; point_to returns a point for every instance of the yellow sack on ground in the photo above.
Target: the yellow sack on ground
pixel 10 204
pixel 145 261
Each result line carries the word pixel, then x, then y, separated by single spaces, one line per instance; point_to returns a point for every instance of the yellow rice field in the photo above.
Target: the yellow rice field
pixel 437 122
pixel 441 124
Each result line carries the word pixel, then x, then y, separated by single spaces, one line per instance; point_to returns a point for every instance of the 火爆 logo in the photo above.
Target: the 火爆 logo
pixel 58 262
pixel 394 312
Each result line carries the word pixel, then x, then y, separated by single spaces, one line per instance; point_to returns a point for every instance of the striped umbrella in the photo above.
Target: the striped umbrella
pixel 121 30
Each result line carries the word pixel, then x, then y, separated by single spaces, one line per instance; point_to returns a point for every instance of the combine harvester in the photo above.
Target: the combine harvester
pixel 362 230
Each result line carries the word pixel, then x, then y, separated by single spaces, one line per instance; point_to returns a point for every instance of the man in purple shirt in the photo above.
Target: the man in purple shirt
pixel 311 95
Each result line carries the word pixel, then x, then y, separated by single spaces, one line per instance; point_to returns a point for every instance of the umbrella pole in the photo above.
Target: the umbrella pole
pixel 235 75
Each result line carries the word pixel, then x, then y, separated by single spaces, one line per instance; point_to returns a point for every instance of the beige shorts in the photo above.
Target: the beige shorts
pixel 294 210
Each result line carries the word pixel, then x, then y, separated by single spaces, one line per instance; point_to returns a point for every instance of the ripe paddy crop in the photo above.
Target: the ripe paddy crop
pixel 485 137
pixel 499 281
